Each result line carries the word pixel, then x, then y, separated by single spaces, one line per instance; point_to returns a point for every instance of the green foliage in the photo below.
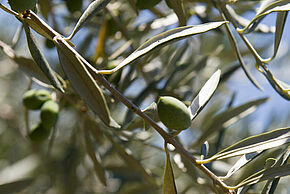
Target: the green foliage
pixel 120 62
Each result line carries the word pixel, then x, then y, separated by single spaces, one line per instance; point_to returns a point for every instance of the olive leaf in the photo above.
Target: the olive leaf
pixel 282 88
pixel 245 159
pixel 277 6
pixel 40 26
pixel 16 186
pixel 40 59
pixel 228 117
pixel 255 143
pixel 271 185
pixel 92 9
pixel 242 21
pixel 27 65
pixel 163 39
pixel 168 176
pixel 82 81
pixel 177 6
pixel 100 172
pixel 204 95
pixel 266 174
pixel 280 24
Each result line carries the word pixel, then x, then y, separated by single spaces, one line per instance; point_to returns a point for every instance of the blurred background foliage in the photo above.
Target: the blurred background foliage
pixel 64 163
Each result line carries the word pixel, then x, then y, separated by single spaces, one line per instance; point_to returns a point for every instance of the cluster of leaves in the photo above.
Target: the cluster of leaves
pixel 127 71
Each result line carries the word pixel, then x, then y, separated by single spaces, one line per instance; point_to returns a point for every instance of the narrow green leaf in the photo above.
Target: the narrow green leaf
pixel 15 187
pixel 82 81
pixel 168 177
pixel 271 185
pixel 267 174
pixel 244 22
pixel 178 8
pixel 40 59
pixel 27 65
pixel 245 159
pixel 228 117
pixel 239 55
pixel 282 88
pixel 163 39
pixel 100 172
pixel 255 143
pixel 129 160
pixel 204 95
pixel 92 9
pixel 280 24
pixel 277 6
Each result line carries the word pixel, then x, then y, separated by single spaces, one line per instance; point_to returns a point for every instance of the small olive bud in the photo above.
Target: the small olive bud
pixel 49 114
pixel 38 133
pixel 22 5
pixel 33 99
pixel 173 113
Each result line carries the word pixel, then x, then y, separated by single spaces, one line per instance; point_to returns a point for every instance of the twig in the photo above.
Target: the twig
pixel 167 137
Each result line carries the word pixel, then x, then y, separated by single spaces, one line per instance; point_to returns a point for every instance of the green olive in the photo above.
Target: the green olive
pixel 173 113
pixel 33 99
pixel 49 114
pixel 22 5
pixel 38 133
pixel 146 4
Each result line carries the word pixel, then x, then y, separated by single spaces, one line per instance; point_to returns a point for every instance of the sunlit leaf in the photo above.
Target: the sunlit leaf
pixel 204 95
pixel 15 187
pixel 267 174
pixel 83 82
pixel 244 22
pixel 282 88
pixel 277 6
pixel 246 158
pixel 91 11
pixel 271 185
pixel 255 143
pixel 168 177
pixel 163 39
pixel 280 24
pixel 97 165
pixel 228 117
pixel 40 59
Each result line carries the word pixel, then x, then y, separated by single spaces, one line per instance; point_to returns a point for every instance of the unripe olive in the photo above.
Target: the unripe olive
pixel 22 5
pixel 33 99
pixel 49 114
pixel 38 133
pixel 173 113
pixel 146 4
